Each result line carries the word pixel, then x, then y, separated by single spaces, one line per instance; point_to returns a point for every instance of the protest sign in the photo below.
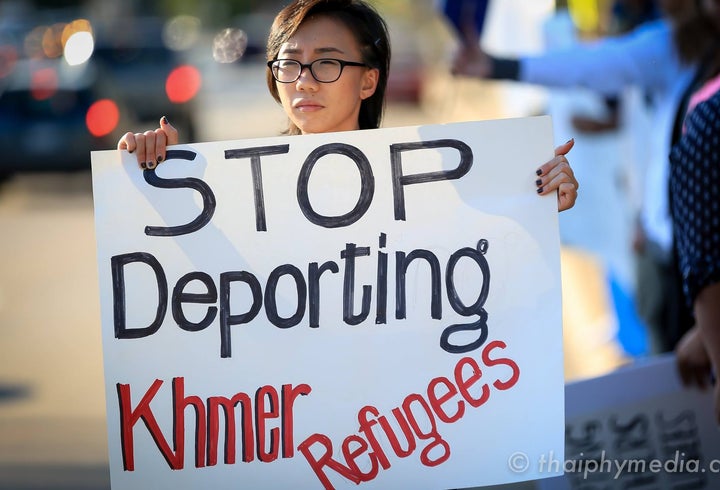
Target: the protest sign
pixel 375 307
pixel 637 427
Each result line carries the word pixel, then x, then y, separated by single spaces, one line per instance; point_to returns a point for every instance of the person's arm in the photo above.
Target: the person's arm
pixel 707 316
pixel 646 58
pixel 699 349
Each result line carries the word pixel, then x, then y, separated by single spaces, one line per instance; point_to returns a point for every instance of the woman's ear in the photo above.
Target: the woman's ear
pixel 369 83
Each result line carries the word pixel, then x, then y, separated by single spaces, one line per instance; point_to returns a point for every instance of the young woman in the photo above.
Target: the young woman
pixel 328 65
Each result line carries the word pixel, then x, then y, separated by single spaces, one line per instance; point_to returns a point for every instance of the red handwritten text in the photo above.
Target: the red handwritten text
pixel 444 400
pixel 255 424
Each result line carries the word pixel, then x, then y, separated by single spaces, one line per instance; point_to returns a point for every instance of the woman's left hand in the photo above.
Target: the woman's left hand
pixel 557 176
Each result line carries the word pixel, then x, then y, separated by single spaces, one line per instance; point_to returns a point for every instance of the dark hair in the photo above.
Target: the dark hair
pixel 695 36
pixel 369 30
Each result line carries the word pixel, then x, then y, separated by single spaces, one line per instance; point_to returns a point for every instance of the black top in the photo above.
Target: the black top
pixel 695 192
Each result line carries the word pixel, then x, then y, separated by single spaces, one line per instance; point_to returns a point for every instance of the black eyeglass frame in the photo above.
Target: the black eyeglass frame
pixel 342 63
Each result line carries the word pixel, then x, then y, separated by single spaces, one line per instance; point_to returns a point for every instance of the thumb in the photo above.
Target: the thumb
pixel 170 131
pixel 565 147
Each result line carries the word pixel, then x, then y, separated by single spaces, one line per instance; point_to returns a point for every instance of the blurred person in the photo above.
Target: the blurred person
pixel 328 65
pixel 695 196
pixel 695 200
pixel 625 16
pixel 467 18
pixel 661 58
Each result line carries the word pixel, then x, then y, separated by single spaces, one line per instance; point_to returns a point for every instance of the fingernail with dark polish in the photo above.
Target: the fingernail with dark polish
pixel 538 182
pixel 159 158
pixel 143 165
pixel 540 189
pixel 165 120
pixel 151 165
pixel 539 171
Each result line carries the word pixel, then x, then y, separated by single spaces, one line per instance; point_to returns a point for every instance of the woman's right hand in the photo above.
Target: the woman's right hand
pixel 149 147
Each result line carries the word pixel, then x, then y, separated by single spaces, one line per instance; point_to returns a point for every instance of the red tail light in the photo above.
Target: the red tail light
pixel 183 84
pixel 44 83
pixel 102 117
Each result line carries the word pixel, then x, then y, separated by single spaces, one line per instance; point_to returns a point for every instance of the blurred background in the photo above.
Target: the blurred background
pixel 75 75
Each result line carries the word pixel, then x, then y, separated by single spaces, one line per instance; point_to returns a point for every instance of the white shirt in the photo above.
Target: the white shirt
pixel 645 58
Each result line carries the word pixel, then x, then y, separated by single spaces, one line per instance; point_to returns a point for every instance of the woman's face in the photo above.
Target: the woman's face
pixel 316 107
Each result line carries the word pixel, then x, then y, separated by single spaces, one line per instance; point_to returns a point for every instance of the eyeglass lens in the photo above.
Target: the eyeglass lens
pixel 324 70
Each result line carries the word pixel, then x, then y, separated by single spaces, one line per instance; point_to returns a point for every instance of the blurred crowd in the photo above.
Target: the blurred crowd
pixel 654 70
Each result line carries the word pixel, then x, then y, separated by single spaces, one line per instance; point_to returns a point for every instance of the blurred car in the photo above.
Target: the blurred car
pixel 146 78
pixel 43 109
pixel 52 114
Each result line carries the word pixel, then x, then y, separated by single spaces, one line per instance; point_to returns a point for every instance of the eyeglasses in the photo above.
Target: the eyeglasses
pixel 324 70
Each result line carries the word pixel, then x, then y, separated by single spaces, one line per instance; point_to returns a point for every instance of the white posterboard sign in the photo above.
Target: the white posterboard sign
pixel 637 427
pixel 375 307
